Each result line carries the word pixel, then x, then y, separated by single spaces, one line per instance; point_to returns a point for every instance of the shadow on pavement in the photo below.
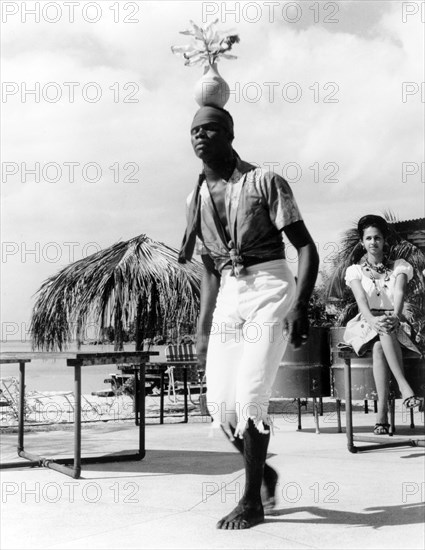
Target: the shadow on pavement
pixel 375 517
pixel 177 462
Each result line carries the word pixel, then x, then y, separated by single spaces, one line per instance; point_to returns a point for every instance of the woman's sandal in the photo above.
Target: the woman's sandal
pixel 381 429
pixel 412 402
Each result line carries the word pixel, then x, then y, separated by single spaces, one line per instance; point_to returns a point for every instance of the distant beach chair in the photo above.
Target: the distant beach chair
pixel 183 359
pixel 113 398
pixel 36 400
pixel 179 374
pixel 34 404
pixel 9 396
pixel 182 370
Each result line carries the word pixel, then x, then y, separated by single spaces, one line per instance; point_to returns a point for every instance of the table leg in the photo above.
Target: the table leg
pixel 77 420
pixel 299 413
pixel 392 416
pixel 21 419
pixel 338 415
pixel 412 419
pixel 348 407
pixel 316 414
pixel 137 389
pixel 34 459
pixel 161 398
pixel 31 460
pixel 186 416
pixel 61 465
pixel 141 398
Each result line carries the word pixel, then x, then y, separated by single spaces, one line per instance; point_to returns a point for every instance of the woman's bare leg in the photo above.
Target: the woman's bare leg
pixel 381 374
pixel 393 355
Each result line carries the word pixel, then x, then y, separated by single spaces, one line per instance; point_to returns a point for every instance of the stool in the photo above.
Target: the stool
pixel 377 441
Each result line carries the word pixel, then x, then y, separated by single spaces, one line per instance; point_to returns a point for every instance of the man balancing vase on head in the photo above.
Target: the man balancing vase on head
pixel 250 304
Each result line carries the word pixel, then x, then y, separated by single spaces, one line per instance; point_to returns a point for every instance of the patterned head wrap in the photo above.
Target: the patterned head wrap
pixel 208 113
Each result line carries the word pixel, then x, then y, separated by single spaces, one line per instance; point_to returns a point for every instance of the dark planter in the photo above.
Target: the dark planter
pixel 362 381
pixel 414 370
pixel 305 372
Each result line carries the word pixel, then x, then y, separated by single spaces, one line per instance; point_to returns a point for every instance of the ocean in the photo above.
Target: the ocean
pixel 54 375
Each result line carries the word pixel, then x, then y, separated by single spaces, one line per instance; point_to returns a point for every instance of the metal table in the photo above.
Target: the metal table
pixel 72 466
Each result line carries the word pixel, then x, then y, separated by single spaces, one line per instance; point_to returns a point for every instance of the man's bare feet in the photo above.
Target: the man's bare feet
pixel 268 488
pixel 242 517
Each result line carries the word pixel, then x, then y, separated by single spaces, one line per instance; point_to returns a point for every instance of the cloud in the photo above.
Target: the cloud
pixel 342 158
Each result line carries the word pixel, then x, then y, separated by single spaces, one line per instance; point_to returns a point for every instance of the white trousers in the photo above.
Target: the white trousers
pixel 247 342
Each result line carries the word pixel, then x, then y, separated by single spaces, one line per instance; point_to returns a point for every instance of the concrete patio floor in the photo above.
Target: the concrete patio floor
pixel 190 478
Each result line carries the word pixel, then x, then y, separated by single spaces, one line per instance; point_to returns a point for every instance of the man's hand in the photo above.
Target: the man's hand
pixel 297 326
pixel 308 264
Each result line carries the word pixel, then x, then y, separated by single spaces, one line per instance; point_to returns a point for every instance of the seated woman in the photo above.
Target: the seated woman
pixel 379 287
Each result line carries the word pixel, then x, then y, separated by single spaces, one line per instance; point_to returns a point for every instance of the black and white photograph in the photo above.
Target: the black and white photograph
pixel 212 274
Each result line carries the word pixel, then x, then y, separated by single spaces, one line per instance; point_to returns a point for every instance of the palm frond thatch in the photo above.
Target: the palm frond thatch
pixel 137 281
pixel 349 253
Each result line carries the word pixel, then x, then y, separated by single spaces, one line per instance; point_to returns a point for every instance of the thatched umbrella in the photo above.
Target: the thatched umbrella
pixel 136 282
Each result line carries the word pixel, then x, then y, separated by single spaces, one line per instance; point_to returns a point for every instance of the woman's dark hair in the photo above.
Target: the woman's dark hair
pixel 372 221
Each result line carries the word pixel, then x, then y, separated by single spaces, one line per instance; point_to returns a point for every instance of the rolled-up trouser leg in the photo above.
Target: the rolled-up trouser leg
pixel 247 343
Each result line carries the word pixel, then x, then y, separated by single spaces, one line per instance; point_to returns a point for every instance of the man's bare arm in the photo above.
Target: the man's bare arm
pixel 209 290
pixel 308 265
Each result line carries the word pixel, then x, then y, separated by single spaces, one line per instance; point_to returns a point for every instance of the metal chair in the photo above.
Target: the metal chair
pixel 346 391
pixel 181 366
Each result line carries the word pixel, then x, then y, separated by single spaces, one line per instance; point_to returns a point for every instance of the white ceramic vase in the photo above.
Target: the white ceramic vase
pixel 211 88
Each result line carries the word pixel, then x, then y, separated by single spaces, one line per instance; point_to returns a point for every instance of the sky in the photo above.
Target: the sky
pixel 96 111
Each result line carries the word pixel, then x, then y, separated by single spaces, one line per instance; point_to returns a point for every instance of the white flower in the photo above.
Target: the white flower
pixel 208 45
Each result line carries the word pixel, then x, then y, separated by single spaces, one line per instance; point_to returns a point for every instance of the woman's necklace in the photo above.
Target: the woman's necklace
pixel 378 268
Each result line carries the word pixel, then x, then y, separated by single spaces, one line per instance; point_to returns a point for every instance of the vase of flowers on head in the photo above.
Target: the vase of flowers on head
pixel 206 49
pixel 211 88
